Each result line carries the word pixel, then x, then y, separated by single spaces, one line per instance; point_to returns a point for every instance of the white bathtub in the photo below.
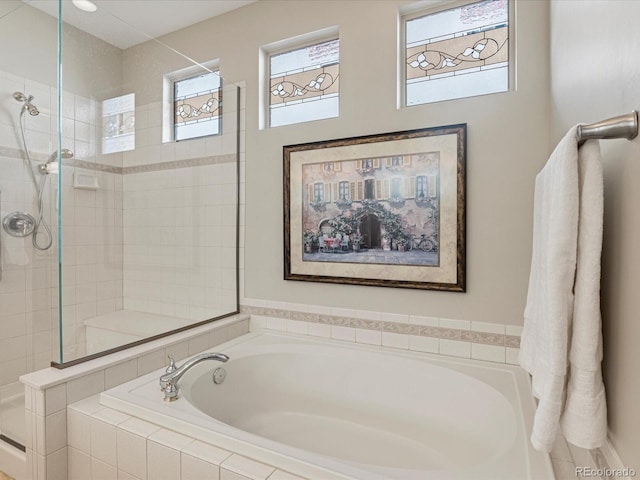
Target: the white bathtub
pixel 324 409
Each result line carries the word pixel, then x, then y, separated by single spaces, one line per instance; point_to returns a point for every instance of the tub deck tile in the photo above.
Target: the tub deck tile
pixel 139 427
pixel 280 475
pixel 206 452
pixel 173 440
pixel 247 468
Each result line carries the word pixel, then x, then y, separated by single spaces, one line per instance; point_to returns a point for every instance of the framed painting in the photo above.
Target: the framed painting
pixel 383 210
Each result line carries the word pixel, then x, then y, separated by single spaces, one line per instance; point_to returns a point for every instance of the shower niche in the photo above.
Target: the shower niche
pixel 114 232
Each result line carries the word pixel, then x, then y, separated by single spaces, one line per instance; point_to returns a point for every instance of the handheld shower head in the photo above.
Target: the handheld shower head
pixel 21 97
pixel 27 105
pixel 51 165
pixel 64 153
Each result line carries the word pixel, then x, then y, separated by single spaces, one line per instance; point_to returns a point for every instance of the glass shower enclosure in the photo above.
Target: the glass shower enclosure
pixel 119 190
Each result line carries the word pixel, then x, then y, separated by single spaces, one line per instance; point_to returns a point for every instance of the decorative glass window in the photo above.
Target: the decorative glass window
pixel 118 124
pixel 304 84
pixel 197 106
pixel 457 53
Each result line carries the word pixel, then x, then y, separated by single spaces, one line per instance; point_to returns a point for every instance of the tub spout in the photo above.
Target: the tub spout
pixel 169 381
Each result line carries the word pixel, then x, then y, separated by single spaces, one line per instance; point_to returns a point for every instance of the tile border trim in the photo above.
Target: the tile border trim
pixel 102 167
pixel 474 337
pixel 191 162
pixel 99 167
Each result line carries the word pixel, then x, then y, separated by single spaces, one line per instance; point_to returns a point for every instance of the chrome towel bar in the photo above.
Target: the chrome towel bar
pixel 622 126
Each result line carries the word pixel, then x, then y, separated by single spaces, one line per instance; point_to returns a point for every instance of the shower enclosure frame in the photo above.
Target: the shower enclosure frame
pixel 61 364
pixel 86 358
pixel 33 279
pixel 35 315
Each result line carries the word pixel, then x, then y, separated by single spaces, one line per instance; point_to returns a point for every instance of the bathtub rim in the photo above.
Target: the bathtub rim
pixel 539 464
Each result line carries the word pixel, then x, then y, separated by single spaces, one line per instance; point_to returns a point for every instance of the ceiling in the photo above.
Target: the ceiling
pixel 124 23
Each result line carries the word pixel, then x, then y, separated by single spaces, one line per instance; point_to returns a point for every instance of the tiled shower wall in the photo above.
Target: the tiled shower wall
pixel 179 233
pixel 165 210
pixel 180 219
pixel 92 254
pixel 29 287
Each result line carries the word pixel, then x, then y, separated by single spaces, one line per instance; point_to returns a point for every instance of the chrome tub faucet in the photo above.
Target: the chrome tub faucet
pixel 169 381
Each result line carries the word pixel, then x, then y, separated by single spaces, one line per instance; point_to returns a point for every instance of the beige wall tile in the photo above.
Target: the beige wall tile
pixel 131 453
pixel 163 463
pixel 79 464
pixel 102 471
pixel 103 442
pixel 455 349
pixel 197 469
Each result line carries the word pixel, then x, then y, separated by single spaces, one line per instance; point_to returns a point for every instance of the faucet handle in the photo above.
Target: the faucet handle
pixel 171 368
pixel 170 392
pixel 172 365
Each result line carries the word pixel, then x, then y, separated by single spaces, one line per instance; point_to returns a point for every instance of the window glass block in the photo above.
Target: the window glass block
pixel 304 84
pixel 457 53
pixel 118 124
pixel 197 106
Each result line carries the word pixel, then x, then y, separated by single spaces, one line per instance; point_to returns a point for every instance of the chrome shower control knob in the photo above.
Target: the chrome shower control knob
pixel 219 374
pixel 19 224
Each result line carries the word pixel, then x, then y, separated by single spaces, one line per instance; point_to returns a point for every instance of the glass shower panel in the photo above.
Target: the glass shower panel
pixel 149 222
pixel 143 227
pixel 91 99
pixel 28 238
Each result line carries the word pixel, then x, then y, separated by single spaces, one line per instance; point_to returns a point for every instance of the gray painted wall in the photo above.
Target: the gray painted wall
pixel 507 145
pixel 595 75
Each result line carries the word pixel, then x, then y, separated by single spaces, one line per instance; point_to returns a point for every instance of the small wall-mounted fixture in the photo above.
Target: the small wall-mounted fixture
pixel 85 181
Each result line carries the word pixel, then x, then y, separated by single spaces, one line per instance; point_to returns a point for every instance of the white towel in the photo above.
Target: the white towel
pixel 584 420
pixel 561 344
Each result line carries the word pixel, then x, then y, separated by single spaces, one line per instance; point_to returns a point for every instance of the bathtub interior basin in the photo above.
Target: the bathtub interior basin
pixel 326 409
